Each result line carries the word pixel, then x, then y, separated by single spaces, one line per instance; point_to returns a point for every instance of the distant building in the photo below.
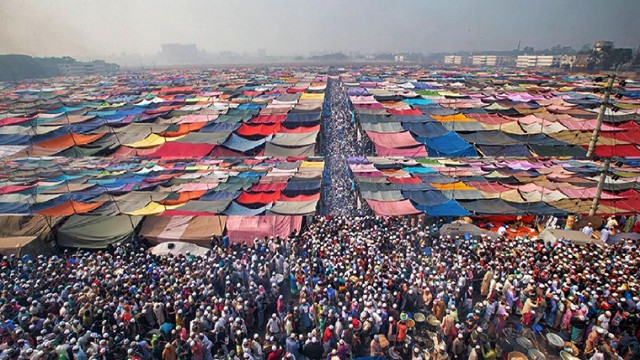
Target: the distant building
pixel 97 67
pixel 524 61
pixel 581 62
pixel 453 60
pixel 567 60
pixel 602 46
pixel 484 60
pixel 180 53
pixel 398 58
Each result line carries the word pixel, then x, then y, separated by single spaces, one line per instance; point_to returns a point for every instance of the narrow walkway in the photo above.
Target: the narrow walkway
pixel 339 142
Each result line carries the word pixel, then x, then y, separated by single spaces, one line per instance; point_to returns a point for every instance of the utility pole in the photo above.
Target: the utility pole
pixel 594 141
pixel 603 108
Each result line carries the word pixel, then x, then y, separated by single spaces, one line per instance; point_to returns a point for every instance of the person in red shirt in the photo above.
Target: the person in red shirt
pixel 275 354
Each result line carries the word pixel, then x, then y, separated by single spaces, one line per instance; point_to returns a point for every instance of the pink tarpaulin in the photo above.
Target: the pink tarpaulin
pixel 393 140
pixel 587 193
pixel 177 149
pixel 392 208
pixel 245 229
pixel 414 151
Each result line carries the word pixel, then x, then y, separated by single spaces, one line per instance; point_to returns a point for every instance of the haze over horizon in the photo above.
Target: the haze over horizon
pixel 285 27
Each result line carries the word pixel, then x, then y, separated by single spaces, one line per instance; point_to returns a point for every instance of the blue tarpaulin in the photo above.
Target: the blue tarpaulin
pixel 426 198
pixel 449 145
pixel 425 129
pixel 449 208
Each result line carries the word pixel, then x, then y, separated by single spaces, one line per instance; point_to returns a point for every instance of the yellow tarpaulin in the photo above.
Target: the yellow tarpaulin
pixel 310 96
pixel 453 186
pixel 456 117
pixel 153 208
pixel 312 164
pixel 151 141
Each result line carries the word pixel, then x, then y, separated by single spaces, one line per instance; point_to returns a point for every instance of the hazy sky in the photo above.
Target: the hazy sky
pixel 107 27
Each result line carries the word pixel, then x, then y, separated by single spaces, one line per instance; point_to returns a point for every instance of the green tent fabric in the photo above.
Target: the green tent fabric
pixel 282 151
pixel 205 138
pixel 294 139
pixel 96 232
pixel 294 207
pixel 392 195
pixel 390 127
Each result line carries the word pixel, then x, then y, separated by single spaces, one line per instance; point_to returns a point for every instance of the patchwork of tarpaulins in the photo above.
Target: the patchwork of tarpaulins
pixel 228 113
pixel 455 113
pixel 461 187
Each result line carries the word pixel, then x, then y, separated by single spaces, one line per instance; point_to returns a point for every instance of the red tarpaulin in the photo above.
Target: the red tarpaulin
pixel 268 119
pixel 616 150
pixel 258 197
pixel 175 149
pixel 415 151
pixel 405 112
pixel 245 229
pixel 260 129
pixel 262 187
pixel 15 120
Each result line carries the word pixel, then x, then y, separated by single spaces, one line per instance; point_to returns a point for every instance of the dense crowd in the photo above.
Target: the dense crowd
pixel 340 141
pixel 342 288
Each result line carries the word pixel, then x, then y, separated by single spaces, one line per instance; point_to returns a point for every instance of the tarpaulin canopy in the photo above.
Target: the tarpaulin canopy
pixel 392 208
pixel 449 208
pixel 449 144
pixel 193 229
pixel 294 207
pixel 96 232
pixel 393 140
pixel 245 229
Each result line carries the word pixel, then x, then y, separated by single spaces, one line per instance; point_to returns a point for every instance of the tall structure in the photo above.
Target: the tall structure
pixel 453 60
pixel 97 67
pixel 524 61
pixel 179 53
pixel 484 60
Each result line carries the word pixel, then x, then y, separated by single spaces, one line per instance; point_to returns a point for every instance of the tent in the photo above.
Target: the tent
pixel 577 237
pixel 20 245
pixel 96 232
pixel 178 248
pixel 16 230
pixel 245 229
pixel 458 228
pixel 193 229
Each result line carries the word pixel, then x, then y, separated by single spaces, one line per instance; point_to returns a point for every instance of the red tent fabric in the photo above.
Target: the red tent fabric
pixel 405 112
pixel 175 149
pixel 245 229
pixel 616 150
pixel 404 179
pixel 415 151
pixel 261 129
pixel 268 119
pixel 260 187
pixel 258 197
pixel 15 120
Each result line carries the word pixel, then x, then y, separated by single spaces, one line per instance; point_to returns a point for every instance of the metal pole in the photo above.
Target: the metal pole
pixel 603 107
pixel 603 177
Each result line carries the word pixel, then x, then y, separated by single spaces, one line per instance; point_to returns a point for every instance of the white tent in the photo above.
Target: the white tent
pixel 176 248
pixel 578 237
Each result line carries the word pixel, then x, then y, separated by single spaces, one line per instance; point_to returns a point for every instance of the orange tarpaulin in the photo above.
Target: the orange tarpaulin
pixel 69 140
pixel 456 117
pixel 71 207
pixel 183 129
pixel 453 186
pixel 183 197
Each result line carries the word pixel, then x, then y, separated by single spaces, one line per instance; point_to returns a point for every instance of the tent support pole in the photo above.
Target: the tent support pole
pixel 603 108
pixel 603 177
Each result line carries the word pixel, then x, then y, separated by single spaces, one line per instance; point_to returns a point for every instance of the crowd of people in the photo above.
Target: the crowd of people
pixel 340 140
pixel 344 287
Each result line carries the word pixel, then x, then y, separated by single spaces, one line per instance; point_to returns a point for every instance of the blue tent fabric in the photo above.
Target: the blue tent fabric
pixel 414 118
pixel 505 150
pixel 237 209
pixel 418 101
pixel 425 129
pixel 449 208
pixel 223 127
pixel 220 195
pixel 415 186
pixel 449 145
pixel 303 117
pixel 14 208
pixel 426 198
pixel 238 143
pixel 303 185
pixel 419 170
pixel 14 139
